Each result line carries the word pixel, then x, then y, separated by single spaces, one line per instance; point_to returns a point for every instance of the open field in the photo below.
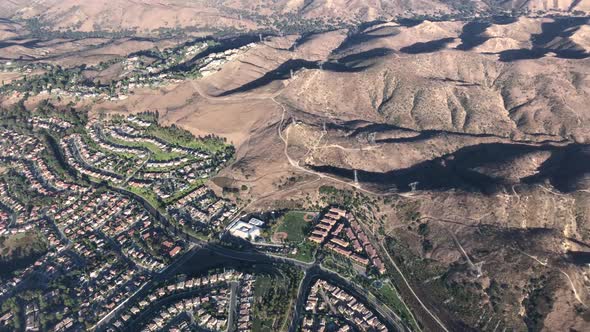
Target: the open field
pixel 20 244
pixel 295 225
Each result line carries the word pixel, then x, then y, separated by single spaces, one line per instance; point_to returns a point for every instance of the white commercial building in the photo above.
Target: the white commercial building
pixel 245 230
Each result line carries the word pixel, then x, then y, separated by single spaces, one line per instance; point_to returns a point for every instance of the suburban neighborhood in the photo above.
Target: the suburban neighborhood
pixel 120 206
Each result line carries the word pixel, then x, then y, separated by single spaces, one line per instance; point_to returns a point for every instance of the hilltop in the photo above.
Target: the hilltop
pixel 148 16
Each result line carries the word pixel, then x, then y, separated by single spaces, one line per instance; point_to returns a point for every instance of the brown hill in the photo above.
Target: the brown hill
pixel 471 136
pixel 148 15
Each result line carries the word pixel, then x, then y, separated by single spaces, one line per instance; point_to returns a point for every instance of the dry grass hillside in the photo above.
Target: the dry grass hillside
pixel 148 15
pixel 495 153
pixel 472 136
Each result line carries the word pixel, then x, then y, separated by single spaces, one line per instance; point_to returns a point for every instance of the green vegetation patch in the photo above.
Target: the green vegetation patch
pixel 295 225
pixel 389 295
pixel 20 250
pixel 147 194
pixel 274 296
pixel 156 153
pixel 339 264
pixel 305 252
pixel 194 186
pixel 442 282
pixel 179 136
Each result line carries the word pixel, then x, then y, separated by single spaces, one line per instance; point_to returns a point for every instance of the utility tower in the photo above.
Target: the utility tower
pixel 477 267
pixel 372 138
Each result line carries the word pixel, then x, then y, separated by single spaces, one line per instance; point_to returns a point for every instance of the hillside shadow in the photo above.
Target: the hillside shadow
pixel 356 39
pixel 283 72
pixel 472 35
pixel 458 170
pixel 353 59
pixel 409 22
pixel 553 38
pixel 562 27
pixel 427 47
pixel 565 168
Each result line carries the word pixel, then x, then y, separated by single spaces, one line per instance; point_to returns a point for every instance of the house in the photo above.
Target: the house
pixel 329 221
pixel 338 230
pixel 320 233
pixel 379 265
pixel 359 259
pixel 339 250
pixel 338 211
pixel 340 242
pixel 175 251
pixel 316 239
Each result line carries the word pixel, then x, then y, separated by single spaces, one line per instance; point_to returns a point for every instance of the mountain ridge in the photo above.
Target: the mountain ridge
pixel 150 15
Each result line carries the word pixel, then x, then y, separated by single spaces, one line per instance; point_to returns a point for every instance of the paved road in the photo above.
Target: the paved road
pixel 233 308
pixel 312 271
pixel 302 292
pixel 392 322
pixel 162 275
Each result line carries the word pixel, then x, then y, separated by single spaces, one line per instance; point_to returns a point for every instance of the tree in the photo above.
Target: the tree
pixel 427 245
pixel 423 229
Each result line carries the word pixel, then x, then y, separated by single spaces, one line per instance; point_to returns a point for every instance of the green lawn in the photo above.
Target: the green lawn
pixel 194 186
pixel 146 193
pixel 305 252
pixel 262 285
pixel 157 153
pixel 294 225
